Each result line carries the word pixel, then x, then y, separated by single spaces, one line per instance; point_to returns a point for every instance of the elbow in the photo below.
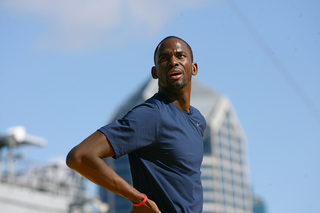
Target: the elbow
pixel 73 159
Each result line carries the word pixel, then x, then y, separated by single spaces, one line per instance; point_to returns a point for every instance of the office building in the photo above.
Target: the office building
pixel 258 205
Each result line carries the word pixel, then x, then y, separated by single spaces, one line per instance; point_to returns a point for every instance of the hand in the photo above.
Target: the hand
pixel 148 207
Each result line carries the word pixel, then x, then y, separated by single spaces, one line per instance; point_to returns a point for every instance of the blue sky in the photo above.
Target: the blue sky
pixel 67 65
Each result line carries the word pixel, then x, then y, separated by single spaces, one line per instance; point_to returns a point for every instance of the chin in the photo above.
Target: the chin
pixel 177 85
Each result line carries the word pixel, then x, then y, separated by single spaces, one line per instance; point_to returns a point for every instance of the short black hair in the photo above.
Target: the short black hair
pixel 155 51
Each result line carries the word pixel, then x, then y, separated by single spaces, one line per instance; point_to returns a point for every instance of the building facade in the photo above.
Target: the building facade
pixel 27 187
pixel 225 172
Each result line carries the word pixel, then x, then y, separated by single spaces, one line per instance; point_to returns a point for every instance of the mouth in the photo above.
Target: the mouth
pixel 174 74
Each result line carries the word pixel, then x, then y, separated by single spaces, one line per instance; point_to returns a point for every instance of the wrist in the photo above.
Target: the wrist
pixel 142 202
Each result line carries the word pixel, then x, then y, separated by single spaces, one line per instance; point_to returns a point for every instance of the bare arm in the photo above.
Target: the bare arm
pixel 87 159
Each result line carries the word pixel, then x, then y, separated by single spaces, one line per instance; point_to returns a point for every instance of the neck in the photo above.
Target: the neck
pixel 180 98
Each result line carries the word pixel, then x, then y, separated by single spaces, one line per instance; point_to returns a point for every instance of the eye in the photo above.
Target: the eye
pixel 163 58
pixel 181 55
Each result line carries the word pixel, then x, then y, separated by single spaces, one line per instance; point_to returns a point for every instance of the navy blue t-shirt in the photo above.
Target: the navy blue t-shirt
pixel 165 149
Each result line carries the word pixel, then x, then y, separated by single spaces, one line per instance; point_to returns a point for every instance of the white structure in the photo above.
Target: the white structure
pixel 29 188
pixel 225 173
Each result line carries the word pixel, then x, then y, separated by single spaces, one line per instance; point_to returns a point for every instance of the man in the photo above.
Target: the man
pixel 162 137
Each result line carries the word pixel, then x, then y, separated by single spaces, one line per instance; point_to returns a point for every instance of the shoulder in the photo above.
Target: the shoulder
pixel 156 102
pixel 148 109
pixel 196 114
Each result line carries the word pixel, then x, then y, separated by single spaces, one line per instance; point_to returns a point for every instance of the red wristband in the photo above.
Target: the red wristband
pixel 142 202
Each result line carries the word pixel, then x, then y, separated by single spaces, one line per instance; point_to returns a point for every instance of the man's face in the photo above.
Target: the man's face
pixel 173 67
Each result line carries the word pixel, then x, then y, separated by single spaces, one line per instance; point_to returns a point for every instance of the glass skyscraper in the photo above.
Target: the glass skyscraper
pixel 225 172
pixel 258 205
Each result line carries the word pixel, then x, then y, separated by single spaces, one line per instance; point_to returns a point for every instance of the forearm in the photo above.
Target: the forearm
pixel 97 171
pixel 103 175
pixel 87 159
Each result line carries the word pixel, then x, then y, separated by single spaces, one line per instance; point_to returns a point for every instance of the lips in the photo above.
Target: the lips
pixel 174 74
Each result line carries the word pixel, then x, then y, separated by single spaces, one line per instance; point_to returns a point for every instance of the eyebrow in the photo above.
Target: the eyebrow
pixel 168 53
pixel 181 52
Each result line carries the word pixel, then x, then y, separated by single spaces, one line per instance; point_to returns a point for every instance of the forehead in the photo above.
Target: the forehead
pixel 173 44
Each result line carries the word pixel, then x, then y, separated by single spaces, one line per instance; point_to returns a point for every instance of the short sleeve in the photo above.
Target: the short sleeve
pixel 137 129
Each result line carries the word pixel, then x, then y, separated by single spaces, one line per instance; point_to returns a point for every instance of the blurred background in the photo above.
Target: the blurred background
pixel 66 66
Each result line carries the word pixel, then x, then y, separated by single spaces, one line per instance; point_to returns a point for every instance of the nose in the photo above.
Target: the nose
pixel 173 61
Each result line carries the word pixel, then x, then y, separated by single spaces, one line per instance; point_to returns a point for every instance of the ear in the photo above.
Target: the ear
pixel 154 73
pixel 194 68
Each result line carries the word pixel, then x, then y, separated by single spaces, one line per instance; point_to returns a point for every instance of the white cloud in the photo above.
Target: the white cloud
pixel 80 24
